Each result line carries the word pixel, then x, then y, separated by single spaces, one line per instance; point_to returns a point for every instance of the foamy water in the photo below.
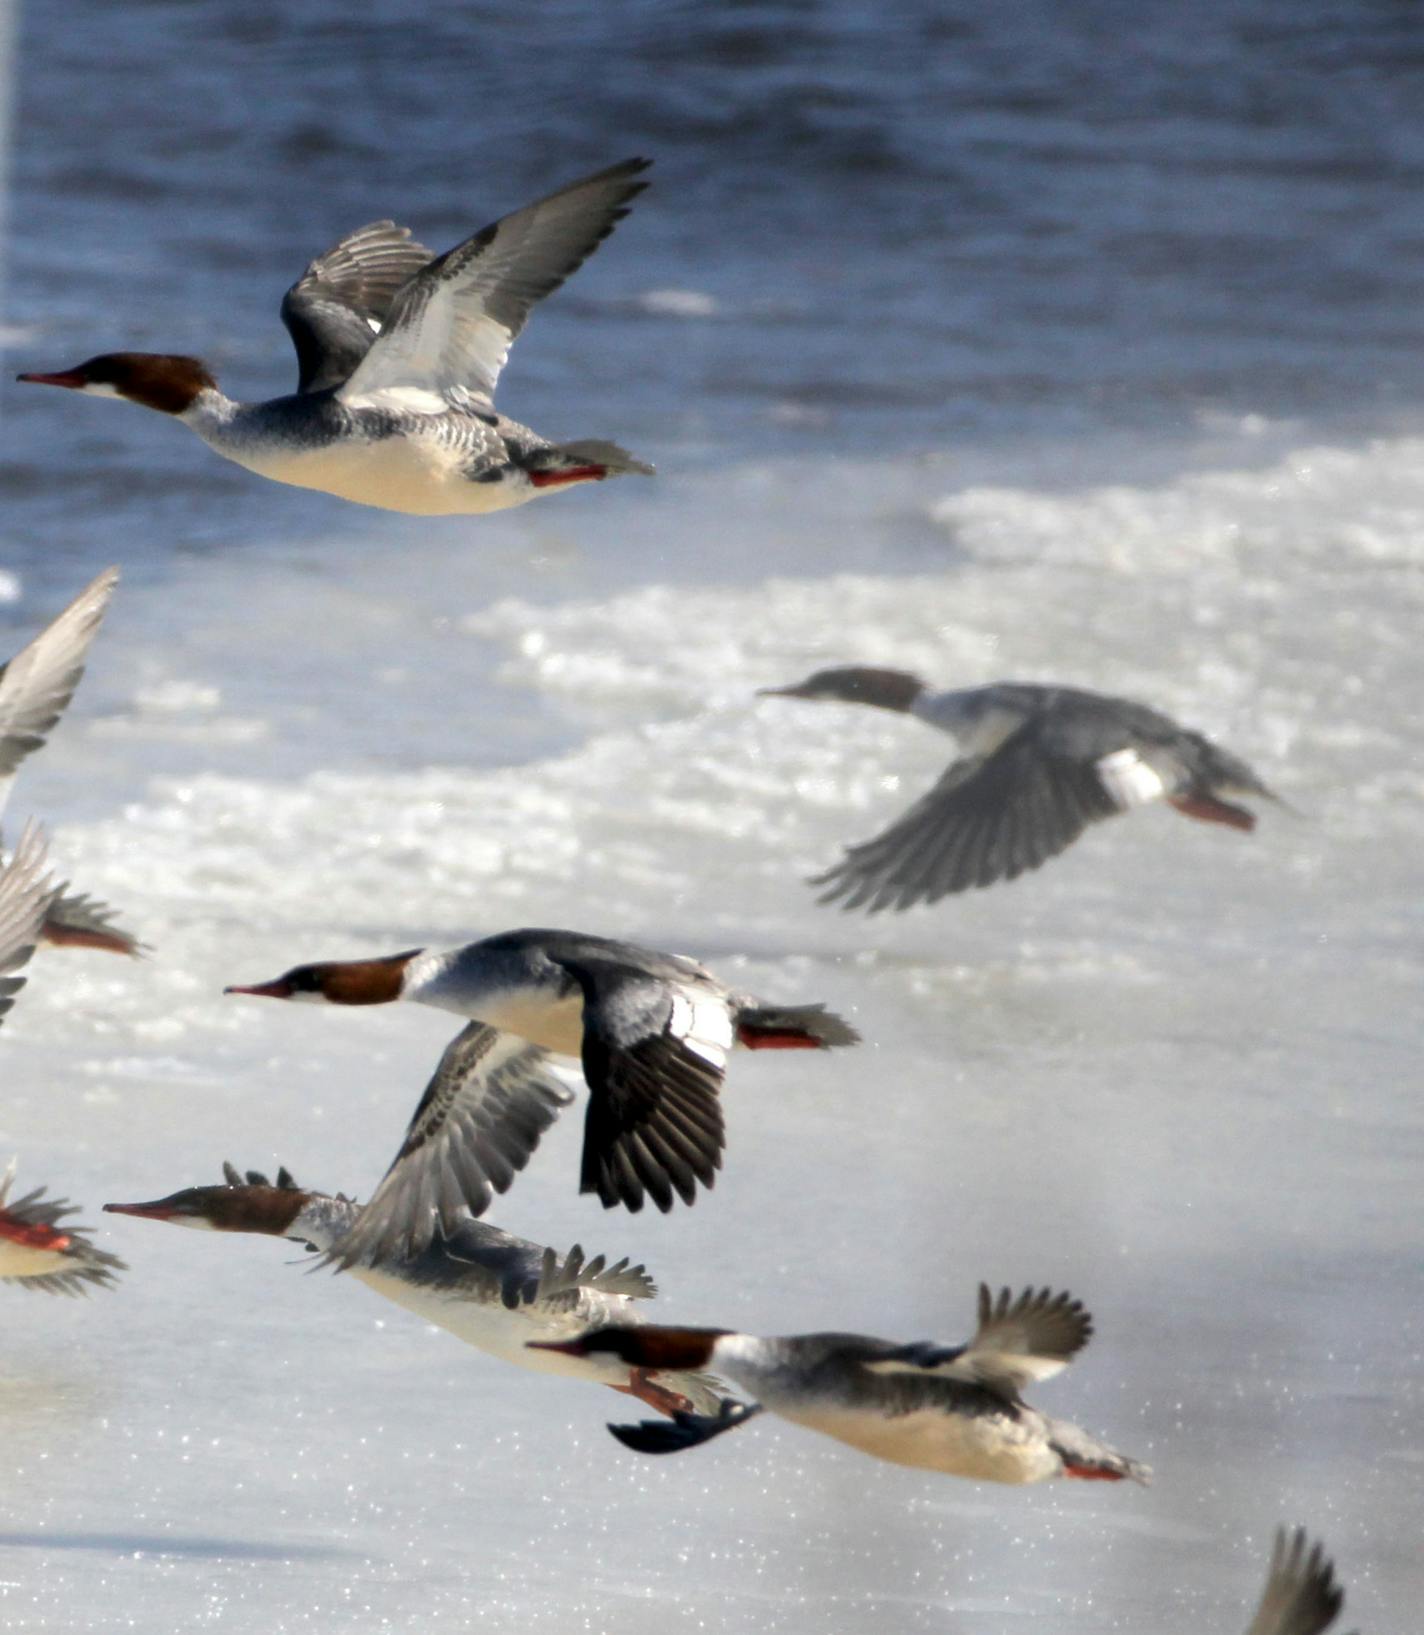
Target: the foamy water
pixel 1175 1072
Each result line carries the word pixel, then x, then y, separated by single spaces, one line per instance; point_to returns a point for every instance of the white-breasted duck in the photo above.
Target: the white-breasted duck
pixel 952 1409
pixel 651 1031
pixel 398 353
pixel 492 1290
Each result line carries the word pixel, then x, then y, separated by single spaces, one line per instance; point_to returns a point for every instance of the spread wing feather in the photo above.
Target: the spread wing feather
pixel 451 327
pixel 560 1278
pixel 338 306
pixel 1020 1340
pixel 654 1125
pixel 988 818
pixel 1301 1596
pixel 481 1117
pixel 77 917
pixel 37 684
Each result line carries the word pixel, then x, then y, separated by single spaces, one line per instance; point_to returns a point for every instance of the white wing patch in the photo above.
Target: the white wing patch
pixel 400 400
pixel 704 1024
pixel 1129 779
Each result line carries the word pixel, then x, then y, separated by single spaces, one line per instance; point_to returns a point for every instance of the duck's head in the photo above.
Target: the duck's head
pixel 646 1346
pixel 337 982
pixel 250 1204
pixel 158 380
pixel 855 684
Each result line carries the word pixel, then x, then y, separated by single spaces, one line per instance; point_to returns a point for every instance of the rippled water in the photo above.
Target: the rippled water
pixel 1075 346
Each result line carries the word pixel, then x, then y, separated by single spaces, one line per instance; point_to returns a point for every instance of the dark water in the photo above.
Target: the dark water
pixel 914 227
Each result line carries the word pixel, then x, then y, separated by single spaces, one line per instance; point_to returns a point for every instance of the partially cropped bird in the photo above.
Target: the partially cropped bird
pixel 35 1249
pixel 35 688
pixel 953 1409
pixel 488 1288
pixel 651 1031
pixel 399 352
pixel 39 1249
pixel 1037 766
pixel 1301 1596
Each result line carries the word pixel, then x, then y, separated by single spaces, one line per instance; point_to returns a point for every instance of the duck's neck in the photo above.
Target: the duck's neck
pixel 323 1220
pixel 210 413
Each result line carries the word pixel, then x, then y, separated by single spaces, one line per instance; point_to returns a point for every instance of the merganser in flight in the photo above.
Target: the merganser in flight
pixel 1039 764
pixel 38 1253
pixel 652 1032
pixel 35 687
pixel 34 1249
pixel 489 1289
pixel 398 354
pixel 1301 1596
pixel 954 1409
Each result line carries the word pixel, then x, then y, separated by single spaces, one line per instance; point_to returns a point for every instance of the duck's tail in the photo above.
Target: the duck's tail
pixel 588 461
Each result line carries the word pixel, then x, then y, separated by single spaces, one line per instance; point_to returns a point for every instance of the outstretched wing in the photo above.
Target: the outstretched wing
pixel 480 1119
pixel 453 325
pixel 988 818
pixel 25 898
pixel 1301 1596
pixel 1019 1341
pixel 37 684
pixel 653 1055
pixel 339 305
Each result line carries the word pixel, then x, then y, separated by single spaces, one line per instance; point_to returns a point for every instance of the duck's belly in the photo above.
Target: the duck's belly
pixel 24 1260
pixel 419 476
pixel 554 1022
pixel 983 1448
pixel 494 1328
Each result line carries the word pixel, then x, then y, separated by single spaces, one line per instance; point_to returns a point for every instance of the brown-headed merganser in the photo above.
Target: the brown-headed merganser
pixel 35 688
pixel 954 1409
pixel 1301 1596
pixel 488 1288
pixel 652 1032
pixel 398 354
pixel 34 1248
pixel 1039 764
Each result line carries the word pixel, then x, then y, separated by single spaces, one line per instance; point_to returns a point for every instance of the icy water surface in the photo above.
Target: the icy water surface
pixel 987 345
